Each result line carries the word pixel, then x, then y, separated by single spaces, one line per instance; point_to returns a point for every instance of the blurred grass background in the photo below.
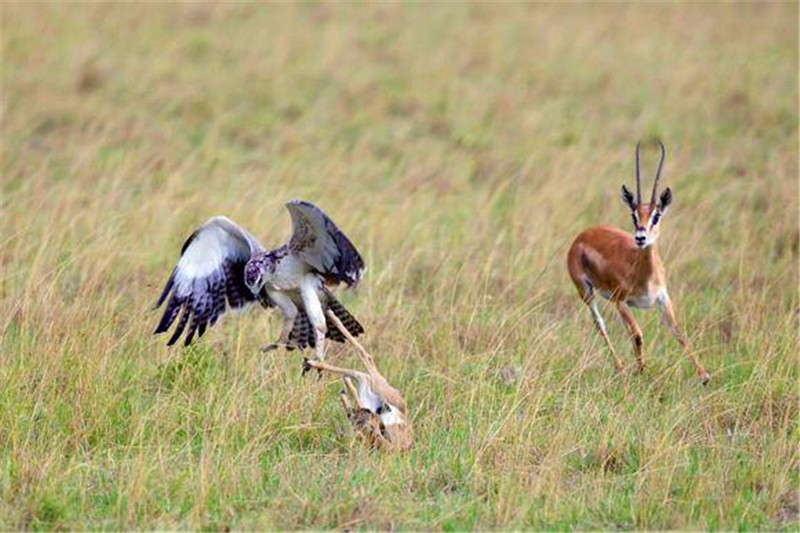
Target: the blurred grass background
pixel 461 147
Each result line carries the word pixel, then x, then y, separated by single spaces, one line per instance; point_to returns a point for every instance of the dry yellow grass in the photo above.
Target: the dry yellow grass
pixel 462 147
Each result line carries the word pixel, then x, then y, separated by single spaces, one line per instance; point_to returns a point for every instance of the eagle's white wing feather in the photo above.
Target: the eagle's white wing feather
pixel 318 242
pixel 209 273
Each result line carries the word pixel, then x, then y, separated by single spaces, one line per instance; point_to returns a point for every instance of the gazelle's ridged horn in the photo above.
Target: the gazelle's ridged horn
pixel 638 180
pixel 658 175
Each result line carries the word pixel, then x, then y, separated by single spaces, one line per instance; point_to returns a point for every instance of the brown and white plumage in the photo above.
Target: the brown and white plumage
pixel 222 266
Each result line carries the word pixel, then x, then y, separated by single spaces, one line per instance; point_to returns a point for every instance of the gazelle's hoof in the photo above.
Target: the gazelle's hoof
pixel 705 378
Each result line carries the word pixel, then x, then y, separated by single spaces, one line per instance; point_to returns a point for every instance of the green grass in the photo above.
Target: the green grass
pixel 461 147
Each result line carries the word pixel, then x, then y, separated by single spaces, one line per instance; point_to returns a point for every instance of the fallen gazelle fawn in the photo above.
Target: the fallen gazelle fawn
pixel 627 270
pixel 380 415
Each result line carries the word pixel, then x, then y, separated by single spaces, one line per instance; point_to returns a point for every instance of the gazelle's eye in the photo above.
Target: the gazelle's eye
pixel 656 218
pixel 633 217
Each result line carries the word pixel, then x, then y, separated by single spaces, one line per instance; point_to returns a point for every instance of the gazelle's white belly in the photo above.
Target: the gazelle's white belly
pixel 645 300
pixel 367 399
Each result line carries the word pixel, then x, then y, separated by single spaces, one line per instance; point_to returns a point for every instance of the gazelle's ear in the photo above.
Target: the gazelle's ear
pixel 666 199
pixel 627 197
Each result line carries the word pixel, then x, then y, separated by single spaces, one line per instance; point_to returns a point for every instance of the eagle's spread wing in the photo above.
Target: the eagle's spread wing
pixel 209 273
pixel 318 242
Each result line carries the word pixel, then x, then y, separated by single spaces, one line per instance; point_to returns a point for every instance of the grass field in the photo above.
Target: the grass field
pixel 461 147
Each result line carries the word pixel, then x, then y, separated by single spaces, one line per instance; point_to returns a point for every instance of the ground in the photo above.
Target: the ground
pixel 461 147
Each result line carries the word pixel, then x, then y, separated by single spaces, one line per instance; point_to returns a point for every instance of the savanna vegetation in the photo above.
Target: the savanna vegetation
pixel 461 147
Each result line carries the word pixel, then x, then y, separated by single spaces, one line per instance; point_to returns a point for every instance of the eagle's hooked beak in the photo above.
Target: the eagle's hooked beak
pixel 255 285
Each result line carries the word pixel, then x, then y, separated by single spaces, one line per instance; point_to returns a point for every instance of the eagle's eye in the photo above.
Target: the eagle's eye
pixel 252 275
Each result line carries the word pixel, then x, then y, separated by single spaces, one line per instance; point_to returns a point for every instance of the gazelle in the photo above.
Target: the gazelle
pixel 627 270
pixel 380 415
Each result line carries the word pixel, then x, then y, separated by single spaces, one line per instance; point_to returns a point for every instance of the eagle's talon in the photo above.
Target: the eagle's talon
pixel 306 366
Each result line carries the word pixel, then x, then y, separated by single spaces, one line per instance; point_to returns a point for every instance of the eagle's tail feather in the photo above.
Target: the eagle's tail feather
pixel 302 335
pixel 348 320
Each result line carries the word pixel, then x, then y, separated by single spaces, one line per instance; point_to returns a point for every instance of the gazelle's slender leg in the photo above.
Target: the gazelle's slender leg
pixel 351 388
pixel 348 383
pixel 635 331
pixel 586 291
pixel 346 372
pixel 348 408
pixel 668 314
pixel 289 312
pixel 601 327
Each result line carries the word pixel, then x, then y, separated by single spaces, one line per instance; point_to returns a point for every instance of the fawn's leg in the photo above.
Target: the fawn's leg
pixel 362 353
pixel 348 408
pixel 346 372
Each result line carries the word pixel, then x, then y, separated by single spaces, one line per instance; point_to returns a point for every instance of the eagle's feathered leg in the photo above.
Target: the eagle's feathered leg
pixel 289 311
pixel 309 291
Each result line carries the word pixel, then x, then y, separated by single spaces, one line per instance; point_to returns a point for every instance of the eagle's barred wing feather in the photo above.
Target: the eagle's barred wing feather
pixel 209 275
pixel 321 244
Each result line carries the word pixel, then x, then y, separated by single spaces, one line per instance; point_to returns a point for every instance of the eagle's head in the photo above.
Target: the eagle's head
pixel 254 276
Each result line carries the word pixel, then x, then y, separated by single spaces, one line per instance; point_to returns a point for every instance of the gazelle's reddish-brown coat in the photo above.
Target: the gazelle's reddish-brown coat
pixel 615 264
pixel 627 270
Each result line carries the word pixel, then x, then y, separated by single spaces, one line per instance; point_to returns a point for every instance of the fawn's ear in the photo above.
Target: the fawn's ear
pixel 627 197
pixel 666 199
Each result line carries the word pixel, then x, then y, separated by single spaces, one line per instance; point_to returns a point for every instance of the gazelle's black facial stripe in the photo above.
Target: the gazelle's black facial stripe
pixel 636 225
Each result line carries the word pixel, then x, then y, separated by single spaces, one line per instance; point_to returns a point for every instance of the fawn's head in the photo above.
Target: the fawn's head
pixel 647 218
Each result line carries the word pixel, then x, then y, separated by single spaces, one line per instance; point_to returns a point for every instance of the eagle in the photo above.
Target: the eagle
pixel 222 266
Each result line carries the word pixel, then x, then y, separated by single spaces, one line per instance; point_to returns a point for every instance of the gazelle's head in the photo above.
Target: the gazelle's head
pixel 647 218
